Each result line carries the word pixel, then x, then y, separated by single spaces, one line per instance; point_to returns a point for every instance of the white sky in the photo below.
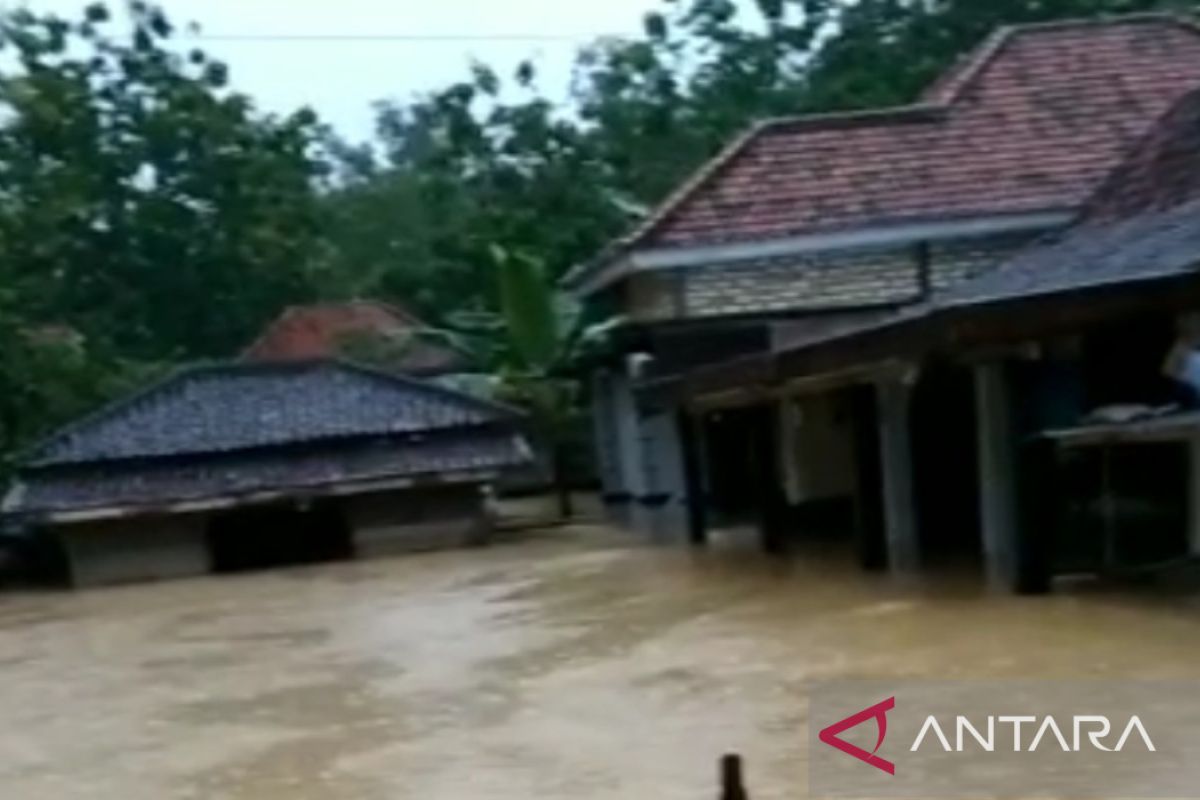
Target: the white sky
pixel 340 79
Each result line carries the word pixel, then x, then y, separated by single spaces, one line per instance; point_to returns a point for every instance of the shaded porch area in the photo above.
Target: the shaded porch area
pixel 963 446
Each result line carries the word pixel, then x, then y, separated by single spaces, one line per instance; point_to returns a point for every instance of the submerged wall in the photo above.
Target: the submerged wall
pixel 143 549
pixel 428 518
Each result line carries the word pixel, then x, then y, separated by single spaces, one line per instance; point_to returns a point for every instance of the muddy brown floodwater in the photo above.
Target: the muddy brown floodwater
pixel 578 665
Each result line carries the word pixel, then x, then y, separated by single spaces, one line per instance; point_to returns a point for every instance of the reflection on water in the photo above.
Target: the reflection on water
pixel 580 666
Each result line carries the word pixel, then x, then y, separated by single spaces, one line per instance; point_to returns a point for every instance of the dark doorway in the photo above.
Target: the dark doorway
pixel 946 466
pixel 736 456
pixel 870 535
pixel 279 535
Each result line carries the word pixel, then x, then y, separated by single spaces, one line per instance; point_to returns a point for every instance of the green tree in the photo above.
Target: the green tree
pixel 489 160
pixel 450 175
pixel 49 375
pixel 148 213
pixel 144 203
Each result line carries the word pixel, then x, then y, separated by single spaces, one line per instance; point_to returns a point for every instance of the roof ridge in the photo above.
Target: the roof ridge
pixel 952 84
pixel 1175 17
pixel 396 310
pixel 436 388
pixel 390 307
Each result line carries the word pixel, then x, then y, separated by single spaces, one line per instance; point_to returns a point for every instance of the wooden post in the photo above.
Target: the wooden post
pixel 733 786
pixel 899 501
pixel 997 473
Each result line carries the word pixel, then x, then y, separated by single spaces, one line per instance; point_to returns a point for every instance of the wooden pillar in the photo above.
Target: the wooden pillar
pixel 733 785
pixel 997 438
pixel 899 501
pixel 693 478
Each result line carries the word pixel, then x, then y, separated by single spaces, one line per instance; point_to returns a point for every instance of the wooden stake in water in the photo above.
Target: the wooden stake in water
pixel 732 787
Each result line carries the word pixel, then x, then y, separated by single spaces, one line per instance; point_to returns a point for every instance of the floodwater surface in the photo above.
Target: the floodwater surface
pixel 577 665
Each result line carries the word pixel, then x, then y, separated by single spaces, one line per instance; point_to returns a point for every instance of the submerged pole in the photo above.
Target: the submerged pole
pixel 732 787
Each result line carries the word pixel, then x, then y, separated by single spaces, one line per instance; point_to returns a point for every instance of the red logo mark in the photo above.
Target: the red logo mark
pixel 878 712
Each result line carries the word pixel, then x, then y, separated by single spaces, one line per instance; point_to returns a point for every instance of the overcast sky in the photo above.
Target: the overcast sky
pixel 340 79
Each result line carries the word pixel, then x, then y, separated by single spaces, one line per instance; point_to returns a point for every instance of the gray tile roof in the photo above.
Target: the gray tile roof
pixel 1155 245
pixel 218 409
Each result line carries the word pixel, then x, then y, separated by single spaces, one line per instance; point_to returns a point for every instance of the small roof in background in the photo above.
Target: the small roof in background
pixel 324 330
pixel 237 407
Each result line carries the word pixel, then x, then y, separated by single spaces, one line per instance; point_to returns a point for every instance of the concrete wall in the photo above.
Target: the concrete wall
pixel 606 440
pixel 662 516
pixel 629 435
pixel 817 449
pixel 144 549
pixel 430 518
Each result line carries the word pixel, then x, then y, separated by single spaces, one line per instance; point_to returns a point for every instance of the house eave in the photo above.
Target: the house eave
pixel 222 502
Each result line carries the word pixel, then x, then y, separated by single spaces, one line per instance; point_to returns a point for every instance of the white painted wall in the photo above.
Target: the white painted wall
pixel 604 429
pixel 630 447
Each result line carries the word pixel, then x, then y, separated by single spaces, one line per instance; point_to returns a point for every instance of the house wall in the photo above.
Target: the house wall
pixel 849 278
pixel 143 549
pixel 653 296
pixel 816 449
pixel 839 280
pixel 641 451
pixel 429 518
pixel 662 514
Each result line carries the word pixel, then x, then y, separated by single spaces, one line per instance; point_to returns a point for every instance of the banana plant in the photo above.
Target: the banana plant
pixel 528 352
pixel 545 336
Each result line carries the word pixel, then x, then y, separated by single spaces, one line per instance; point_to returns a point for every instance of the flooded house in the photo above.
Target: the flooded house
pixel 242 466
pixel 902 327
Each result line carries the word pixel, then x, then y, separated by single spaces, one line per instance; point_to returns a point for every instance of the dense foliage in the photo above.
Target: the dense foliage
pixel 149 214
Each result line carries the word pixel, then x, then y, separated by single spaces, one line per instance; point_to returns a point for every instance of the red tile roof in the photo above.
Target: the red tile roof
pixel 1162 172
pixel 1142 224
pixel 321 331
pixel 1032 121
